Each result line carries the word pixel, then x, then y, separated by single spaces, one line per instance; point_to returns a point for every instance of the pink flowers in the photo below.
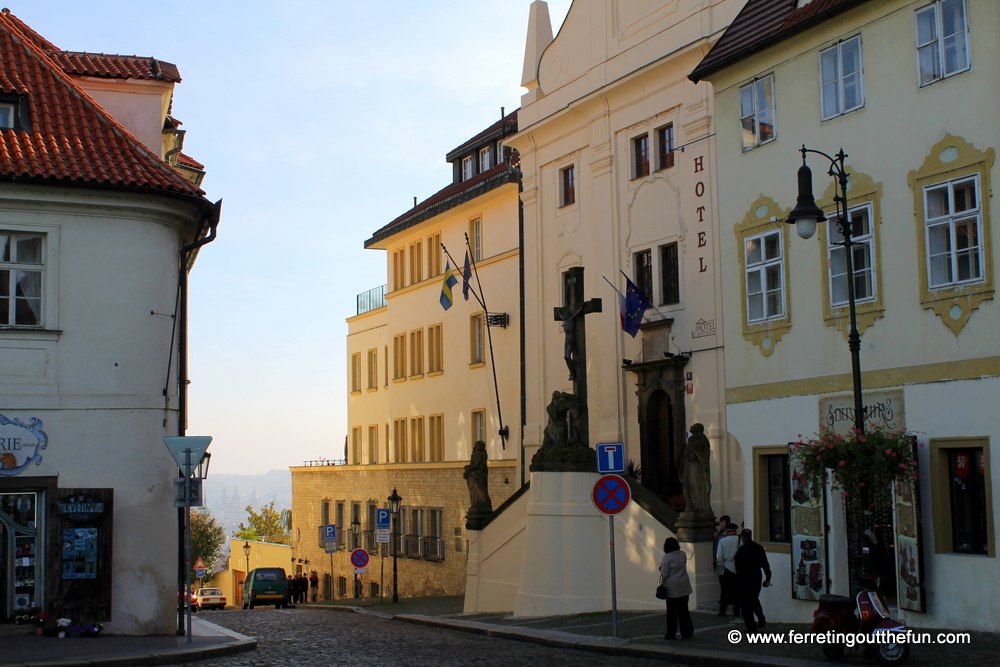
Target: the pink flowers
pixel 843 463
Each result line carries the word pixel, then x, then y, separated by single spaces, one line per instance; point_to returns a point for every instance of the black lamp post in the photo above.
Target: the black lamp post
pixel 355 532
pixel 246 552
pixel 394 501
pixel 805 216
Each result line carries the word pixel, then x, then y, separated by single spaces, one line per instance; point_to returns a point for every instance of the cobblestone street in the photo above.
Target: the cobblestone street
pixel 308 637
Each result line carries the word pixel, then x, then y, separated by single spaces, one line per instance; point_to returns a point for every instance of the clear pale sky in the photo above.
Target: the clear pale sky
pixel 318 122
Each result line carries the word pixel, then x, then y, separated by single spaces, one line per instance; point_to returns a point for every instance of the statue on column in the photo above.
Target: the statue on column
pixel 477 477
pixel 697 522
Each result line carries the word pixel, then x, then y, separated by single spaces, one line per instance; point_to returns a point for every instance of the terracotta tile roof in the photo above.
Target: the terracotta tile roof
pixel 66 136
pixel 448 198
pixel 762 23
pixel 115 66
pixel 189 161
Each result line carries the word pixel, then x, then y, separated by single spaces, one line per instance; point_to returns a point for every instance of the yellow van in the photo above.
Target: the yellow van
pixel 266 585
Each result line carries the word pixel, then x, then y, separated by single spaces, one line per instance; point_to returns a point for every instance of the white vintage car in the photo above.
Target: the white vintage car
pixel 210 598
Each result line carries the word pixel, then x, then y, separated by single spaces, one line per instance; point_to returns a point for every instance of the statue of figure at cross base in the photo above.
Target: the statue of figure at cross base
pixel 566 446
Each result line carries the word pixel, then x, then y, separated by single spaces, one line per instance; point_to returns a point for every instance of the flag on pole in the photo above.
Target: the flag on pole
pixel 449 281
pixel 466 277
pixel 632 307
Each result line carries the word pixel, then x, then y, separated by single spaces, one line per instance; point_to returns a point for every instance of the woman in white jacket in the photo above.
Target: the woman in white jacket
pixel 674 576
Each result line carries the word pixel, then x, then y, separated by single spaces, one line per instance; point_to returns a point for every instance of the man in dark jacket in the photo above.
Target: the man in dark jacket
pixel 751 559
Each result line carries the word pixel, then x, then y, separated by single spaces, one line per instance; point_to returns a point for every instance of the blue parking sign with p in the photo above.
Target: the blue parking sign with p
pixel 381 517
pixel 610 457
pixel 330 532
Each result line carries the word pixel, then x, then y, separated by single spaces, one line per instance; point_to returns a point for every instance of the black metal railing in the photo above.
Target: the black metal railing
pixel 373 299
pixel 433 548
pixel 412 546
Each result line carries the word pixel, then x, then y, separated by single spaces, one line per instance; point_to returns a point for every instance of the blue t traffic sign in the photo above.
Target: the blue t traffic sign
pixel 610 457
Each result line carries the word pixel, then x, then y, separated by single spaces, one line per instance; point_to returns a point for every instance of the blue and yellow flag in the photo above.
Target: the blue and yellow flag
pixel 449 281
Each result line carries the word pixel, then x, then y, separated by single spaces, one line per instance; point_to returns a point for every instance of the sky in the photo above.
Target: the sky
pixel 318 122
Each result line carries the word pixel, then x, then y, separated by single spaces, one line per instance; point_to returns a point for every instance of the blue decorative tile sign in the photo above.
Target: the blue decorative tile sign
pixel 21 444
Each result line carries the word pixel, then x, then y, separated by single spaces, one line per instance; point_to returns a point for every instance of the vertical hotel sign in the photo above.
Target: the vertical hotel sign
pixel 21 444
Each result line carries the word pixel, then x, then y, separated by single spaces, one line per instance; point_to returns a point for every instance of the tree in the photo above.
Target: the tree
pixel 266 526
pixel 207 537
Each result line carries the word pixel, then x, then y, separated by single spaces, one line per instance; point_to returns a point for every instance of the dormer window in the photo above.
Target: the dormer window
pixel 484 159
pixel 8 115
pixel 468 168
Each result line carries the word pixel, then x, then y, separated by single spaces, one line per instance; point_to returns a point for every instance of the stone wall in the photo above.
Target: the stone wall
pixel 421 485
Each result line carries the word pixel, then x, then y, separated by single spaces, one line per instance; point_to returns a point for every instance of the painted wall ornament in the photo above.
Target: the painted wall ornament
pixel 18 449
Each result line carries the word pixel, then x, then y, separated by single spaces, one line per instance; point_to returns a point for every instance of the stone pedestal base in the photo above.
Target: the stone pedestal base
pixel 475 518
pixel 704 581
pixel 696 526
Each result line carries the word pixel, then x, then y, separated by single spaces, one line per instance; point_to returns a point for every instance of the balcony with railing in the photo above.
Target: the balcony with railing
pixel 433 548
pixel 373 299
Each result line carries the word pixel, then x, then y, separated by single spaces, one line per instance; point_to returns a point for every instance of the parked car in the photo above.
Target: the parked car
pixel 266 585
pixel 210 598
pixel 194 602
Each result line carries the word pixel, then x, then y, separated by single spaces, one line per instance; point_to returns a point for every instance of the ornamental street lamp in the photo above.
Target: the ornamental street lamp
pixel 805 216
pixel 355 532
pixel 394 501
pixel 246 552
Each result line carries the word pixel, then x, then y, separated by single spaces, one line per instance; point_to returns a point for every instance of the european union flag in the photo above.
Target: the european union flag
pixel 634 308
pixel 449 281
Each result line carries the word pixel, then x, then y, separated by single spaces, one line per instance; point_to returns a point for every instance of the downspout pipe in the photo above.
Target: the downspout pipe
pixel 212 220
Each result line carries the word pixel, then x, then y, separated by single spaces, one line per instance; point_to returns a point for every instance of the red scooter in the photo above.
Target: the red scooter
pixel 836 613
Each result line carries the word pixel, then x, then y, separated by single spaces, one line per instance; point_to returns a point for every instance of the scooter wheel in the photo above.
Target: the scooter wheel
pixel 833 651
pixel 893 653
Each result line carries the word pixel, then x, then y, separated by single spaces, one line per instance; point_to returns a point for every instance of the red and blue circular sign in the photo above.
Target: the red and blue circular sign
pixel 359 558
pixel 611 495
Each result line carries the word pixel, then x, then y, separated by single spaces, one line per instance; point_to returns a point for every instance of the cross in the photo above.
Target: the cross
pixel 575 350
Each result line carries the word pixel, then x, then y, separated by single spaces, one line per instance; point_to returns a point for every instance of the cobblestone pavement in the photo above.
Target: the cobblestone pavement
pixel 315 637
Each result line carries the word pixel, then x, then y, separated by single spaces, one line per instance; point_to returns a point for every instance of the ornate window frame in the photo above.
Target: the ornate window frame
pixel 764 215
pixel 952 158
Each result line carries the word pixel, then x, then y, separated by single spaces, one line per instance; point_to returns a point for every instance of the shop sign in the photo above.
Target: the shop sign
pixel 21 444
pixel 885 408
pixel 80 508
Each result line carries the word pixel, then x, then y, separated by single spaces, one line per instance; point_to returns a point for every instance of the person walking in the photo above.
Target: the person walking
pixel 314 585
pixel 719 534
pixel 726 567
pixel 674 577
pixel 751 559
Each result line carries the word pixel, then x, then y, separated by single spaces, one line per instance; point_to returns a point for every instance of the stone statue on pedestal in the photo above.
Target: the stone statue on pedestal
pixel 477 477
pixel 697 522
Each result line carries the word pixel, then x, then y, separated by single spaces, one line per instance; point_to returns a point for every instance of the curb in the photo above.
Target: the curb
pixel 608 645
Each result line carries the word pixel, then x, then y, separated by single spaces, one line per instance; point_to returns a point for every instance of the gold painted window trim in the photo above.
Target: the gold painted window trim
pixel 941 494
pixel 861 190
pixel 949 159
pixel 761 520
pixel 765 335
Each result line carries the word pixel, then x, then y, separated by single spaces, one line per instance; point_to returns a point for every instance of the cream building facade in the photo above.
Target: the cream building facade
pixel 906 89
pixel 425 383
pixel 617 155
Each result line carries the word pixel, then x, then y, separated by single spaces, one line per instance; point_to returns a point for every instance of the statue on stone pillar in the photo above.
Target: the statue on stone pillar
pixel 696 477
pixel 477 477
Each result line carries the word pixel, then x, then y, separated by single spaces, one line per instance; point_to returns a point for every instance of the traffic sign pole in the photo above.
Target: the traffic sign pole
pixel 611 495
pixel 614 591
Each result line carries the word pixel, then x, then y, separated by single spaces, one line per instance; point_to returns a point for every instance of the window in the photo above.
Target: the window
pixel 435 349
pixel 341 540
pixel 436 438
pixel 476 238
pixel 476 339
pixel 355 445
pixel 841 78
pixel 398 269
pixel 355 520
pixel 478 426
pixel 953 220
pixel 416 262
pixel 386 459
pixel 665 147
pixel 765 277
pixel 864 269
pixel 21 268
pixel 399 356
pixel 356 372
pixel 773 510
pixel 399 440
pixel 373 444
pixel 640 156
pixel 468 168
pixel 434 255
pixel 567 186
pixel 757 112
pixel 417 352
pixel 413 535
pixel 385 365
pixel 960 489
pixel 325 513
pixel 942 40
pixel 417 439
pixel 670 283
pixel 484 159
pixel 7 115
pixel 373 369
pixel 644 272
pixel 434 534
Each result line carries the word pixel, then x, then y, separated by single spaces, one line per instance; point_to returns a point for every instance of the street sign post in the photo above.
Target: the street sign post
pixel 610 457
pixel 611 496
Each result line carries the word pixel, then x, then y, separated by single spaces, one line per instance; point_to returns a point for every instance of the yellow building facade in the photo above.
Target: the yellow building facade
pixel 425 383
pixel 906 89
